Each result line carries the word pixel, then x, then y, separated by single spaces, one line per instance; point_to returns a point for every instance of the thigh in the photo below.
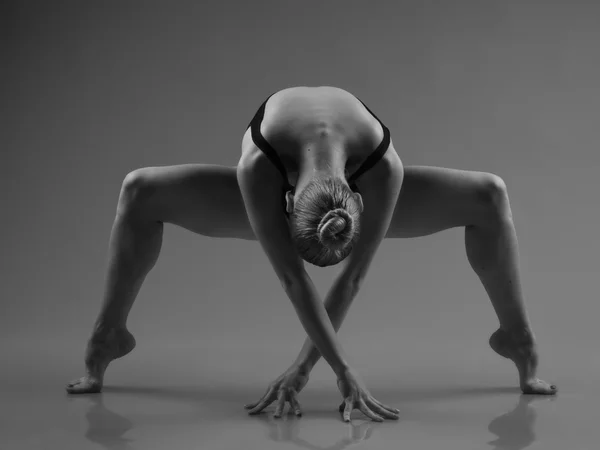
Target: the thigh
pixel 202 198
pixel 433 199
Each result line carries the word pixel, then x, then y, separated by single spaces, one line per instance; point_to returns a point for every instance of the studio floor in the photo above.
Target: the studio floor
pixel 160 397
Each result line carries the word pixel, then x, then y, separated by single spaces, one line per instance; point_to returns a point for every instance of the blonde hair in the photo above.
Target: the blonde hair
pixel 325 223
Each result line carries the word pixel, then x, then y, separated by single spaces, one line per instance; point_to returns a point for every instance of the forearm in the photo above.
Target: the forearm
pixel 337 304
pixel 316 322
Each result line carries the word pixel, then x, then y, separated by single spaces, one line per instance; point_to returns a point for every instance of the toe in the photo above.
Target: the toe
pixel 83 385
pixel 74 382
pixel 76 388
pixel 539 387
pixel 72 389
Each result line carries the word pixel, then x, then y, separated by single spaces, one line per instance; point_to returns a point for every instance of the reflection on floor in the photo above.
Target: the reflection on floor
pixel 514 430
pixel 144 407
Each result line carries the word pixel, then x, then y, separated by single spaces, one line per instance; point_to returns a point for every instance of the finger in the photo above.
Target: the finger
pixel 367 412
pixel 294 403
pixel 389 408
pixel 381 410
pixel 347 409
pixel 254 404
pixel 264 402
pixel 370 398
pixel 280 403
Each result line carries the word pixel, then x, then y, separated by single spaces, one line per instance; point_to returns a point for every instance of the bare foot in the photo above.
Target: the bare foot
pixel 104 346
pixel 522 351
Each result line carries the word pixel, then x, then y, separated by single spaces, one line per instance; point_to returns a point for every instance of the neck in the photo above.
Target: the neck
pixel 319 168
pixel 321 162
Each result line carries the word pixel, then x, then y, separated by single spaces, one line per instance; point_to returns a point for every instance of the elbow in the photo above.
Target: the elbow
pixel 355 284
pixel 290 279
pixel 357 274
pixel 287 282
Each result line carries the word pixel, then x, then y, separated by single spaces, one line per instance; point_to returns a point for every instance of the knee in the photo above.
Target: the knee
pixel 136 190
pixel 493 195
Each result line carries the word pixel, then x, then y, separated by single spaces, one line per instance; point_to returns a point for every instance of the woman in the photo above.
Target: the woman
pixel 330 192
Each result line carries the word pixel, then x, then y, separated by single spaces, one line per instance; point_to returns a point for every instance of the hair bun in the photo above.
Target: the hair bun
pixel 336 228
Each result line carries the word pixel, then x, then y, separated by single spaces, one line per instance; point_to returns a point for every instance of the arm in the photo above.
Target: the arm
pixel 380 193
pixel 261 188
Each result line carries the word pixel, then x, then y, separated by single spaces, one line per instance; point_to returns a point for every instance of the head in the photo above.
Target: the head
pixel 324 220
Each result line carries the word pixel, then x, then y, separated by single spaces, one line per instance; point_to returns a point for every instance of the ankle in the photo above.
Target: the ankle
pixel 521 335
pixel 104 325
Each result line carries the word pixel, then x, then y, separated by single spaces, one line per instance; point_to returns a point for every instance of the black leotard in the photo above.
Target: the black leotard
pixel 268 150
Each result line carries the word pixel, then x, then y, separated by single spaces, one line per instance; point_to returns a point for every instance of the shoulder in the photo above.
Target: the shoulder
pixel 254 163
pixel 391 159
pixel 390 164
pixel 249 148
pixel 251 156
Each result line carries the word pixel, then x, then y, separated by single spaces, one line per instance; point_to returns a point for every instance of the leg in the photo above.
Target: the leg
pixel 202 198
pixel 434 199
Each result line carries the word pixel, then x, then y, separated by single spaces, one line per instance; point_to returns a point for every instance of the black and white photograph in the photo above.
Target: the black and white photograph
pixel 318 225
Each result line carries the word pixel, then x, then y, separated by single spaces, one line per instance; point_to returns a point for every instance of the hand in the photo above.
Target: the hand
pixel 284 388
pixel 357 396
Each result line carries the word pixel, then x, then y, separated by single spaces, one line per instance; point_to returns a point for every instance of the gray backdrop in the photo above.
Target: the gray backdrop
pixel 93 90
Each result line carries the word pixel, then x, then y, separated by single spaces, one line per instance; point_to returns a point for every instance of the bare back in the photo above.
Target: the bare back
pixel 305 124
